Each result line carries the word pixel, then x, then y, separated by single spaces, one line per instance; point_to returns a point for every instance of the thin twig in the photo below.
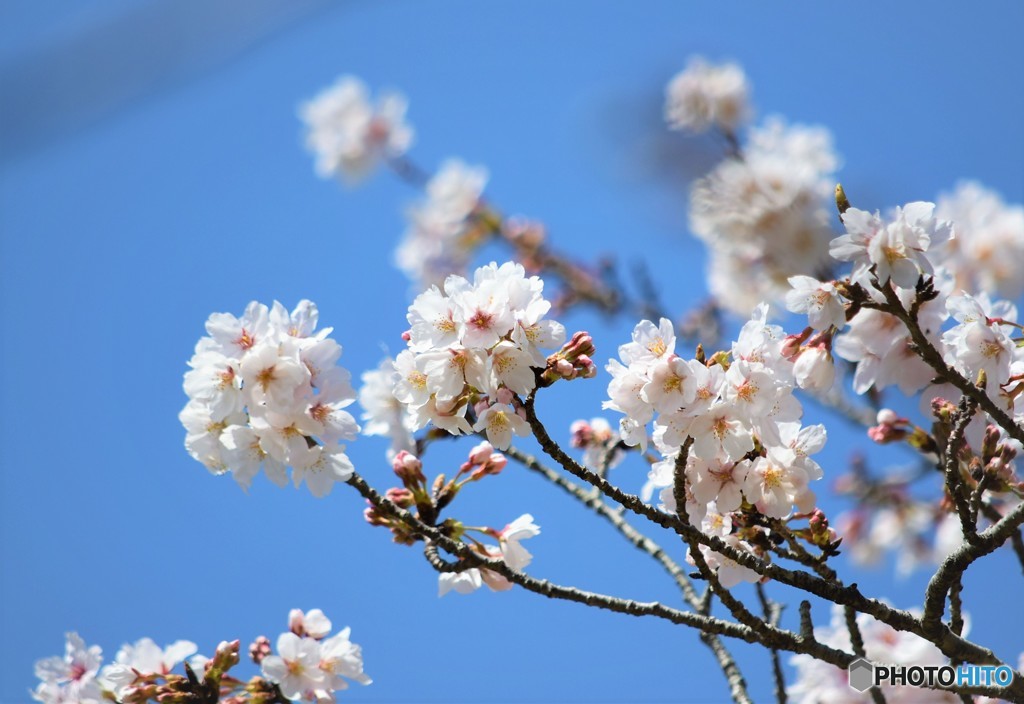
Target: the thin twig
pixel 933 358
pixel 772 612
pixel 593 500
pixel 950 644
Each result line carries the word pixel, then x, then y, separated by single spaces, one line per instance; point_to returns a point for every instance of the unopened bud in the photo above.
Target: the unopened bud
pixel 494 464
pixel 943 409
pixel 990 442
pixel 581 343
pixel 792 343
pixel 481 453
pixel 890 427
pixel 887 416
pixel 581 434
pixel 408 468
pixel 439 481
pixel 884 434
pixel 814 370
pixel 226 655
pixel 259 649
pixel 400 496
pixel 842 202
pixel 821 533
pixel 573 361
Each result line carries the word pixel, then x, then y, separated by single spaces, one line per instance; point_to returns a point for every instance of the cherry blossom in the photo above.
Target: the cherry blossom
pixel 348 134
pixel 278 401
pixel 819 300
pixel 986 252
pixel 384 414
pixel 70 679
pixel 705 95
pixel 509 549
pixel 442 232
pixel 817 681
pixel 476 339
pixel 765 217
pixel 893 248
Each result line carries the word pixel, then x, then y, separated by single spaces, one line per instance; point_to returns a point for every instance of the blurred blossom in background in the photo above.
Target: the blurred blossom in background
pixel 153 168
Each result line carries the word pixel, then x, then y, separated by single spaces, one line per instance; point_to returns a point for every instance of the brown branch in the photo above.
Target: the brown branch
pixel 953 567
pixel 949 643
pixel 933 358
pixel 953 478
pixel 772 612
pixel 1016 540
pixel 592 499
pixel 772 637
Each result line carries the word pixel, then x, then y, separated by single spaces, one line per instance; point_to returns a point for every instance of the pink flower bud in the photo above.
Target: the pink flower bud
pixel 990 441
pixel 581 343
pixel 408 468
pixel 943 409
pixel 885 433
pixel 400 496
pixel 481 453
pixel 497 462
pixel 581 434
pixel 260 648
pixel 792 343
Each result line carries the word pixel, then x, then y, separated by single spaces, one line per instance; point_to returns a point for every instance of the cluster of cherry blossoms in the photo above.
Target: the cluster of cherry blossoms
pixel 349 135
pixel 889 255
pixel 736 416
pixel 428 499
pixel 473 348
pixel 508 549
pixel 764 211
pixel 705 95
pixel 987 251
pixel 385 415
pixel 310 665
pixel 444 228
pixel 918 533
pixel 901 258
pixel 818 681
pixel 140 671
pixel 265 390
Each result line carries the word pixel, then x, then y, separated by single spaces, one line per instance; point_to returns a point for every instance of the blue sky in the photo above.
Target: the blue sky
pixel 121 236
